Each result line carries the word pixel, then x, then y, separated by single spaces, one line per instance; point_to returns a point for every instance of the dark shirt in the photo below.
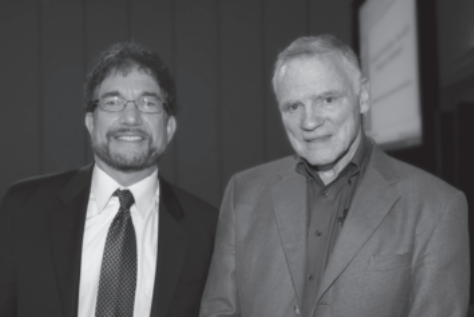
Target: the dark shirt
pixel 328 206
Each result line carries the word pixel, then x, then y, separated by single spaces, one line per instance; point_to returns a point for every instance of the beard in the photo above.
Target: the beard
pixel 127 161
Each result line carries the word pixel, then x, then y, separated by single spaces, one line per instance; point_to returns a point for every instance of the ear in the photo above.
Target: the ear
pixel 89 121
pixel 364 95
pixel 170 127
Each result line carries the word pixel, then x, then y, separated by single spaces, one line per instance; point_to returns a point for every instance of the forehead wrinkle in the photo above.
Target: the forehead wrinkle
pixel 344 70
pixel 138 86
pixel 337 79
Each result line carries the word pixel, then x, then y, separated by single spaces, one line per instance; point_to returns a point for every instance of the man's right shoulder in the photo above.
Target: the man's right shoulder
pixel 54 182
pixel 268 173
pixel 41 189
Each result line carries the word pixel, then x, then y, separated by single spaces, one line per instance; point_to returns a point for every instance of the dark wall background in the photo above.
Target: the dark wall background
pixel 221 53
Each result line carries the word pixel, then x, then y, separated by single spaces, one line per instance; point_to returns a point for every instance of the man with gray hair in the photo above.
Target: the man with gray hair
pixel 339 229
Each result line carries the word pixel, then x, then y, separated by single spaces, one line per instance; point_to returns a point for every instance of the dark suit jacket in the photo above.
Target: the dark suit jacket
pixel 403 250
pixel 41 230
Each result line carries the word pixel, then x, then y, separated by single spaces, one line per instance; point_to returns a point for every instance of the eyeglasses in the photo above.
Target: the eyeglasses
pixel 145 104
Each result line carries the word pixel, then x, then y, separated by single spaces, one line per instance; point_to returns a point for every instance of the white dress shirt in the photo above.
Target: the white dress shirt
pixel 101 210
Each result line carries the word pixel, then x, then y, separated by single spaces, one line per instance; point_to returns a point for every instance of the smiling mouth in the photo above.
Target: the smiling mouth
pixel 129 138
pixel 128 135
pixel 318 139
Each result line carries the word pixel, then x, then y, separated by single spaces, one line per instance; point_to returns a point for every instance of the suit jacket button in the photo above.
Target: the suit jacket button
pixel 297 310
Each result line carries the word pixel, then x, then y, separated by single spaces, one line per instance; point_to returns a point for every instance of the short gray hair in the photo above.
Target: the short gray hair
pixel 314 46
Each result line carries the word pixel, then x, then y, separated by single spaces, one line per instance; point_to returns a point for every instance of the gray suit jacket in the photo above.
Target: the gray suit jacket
pixel 403 250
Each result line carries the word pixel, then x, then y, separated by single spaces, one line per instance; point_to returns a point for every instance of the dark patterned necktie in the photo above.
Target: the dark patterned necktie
pixel 118 275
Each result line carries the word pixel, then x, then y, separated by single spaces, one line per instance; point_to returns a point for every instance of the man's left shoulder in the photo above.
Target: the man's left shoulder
pixel 419 194
pixel 413 176
pixel 415 182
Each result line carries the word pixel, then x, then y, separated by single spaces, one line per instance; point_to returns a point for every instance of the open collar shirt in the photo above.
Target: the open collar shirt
pixel 327 208
pixel 101 210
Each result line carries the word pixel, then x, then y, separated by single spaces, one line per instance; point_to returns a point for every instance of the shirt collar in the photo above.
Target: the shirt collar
pixel 362 152
pixel 144 191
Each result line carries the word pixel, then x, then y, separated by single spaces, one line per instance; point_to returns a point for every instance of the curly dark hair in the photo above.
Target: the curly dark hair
pixel 123 58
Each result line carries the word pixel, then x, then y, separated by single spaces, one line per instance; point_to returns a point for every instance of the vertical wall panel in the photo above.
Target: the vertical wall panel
pixel 106 22
pixel 61 83
pixel 241 86
pixel 20 128
pixel 333 17
pixel 152 25
pixel 455 31
pixel 221 53
pixel 196 74
pixel 284 21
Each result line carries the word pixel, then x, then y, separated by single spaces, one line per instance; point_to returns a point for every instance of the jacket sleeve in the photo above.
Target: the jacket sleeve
pixel 7 263
pixel 442 271
pixel 220 296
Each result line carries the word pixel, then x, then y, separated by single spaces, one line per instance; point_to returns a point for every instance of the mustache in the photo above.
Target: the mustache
pixel 127 131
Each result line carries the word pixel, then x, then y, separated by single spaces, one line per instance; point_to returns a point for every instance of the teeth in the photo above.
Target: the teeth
pixel 129 138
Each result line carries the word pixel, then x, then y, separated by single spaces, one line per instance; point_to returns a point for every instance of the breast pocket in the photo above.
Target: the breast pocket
pixel 389 262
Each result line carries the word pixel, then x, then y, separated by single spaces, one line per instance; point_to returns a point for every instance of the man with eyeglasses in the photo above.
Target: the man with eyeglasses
pixel 112 238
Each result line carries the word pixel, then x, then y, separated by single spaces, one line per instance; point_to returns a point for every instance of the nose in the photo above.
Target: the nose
pixel 131 115
pixel 311 119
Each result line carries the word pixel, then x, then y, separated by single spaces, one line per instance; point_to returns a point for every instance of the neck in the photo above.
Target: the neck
pixel 329 174
pixel 125 179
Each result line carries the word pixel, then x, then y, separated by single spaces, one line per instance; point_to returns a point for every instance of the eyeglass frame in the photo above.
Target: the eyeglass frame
pixel 95 104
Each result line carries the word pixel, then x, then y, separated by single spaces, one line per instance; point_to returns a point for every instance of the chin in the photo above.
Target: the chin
pixel 134 161
pixel 127 161
pixel 132 164
pixel 320 162
pixel 319 159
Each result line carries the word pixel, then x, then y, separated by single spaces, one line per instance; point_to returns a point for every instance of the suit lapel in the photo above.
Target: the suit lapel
pixel 372 201
pixel 289 201
pixel 172 248
pixel 66 227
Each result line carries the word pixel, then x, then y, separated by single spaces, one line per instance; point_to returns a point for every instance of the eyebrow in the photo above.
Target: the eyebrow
pixel 150 94
pixel 329 93
pixel 314 97
pixel 115 93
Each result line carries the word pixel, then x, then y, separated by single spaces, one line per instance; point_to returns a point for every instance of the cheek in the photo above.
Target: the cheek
pixel 102 124
pixel 291 126
pixel 101 132
pixel 348 130
pixel 157 129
